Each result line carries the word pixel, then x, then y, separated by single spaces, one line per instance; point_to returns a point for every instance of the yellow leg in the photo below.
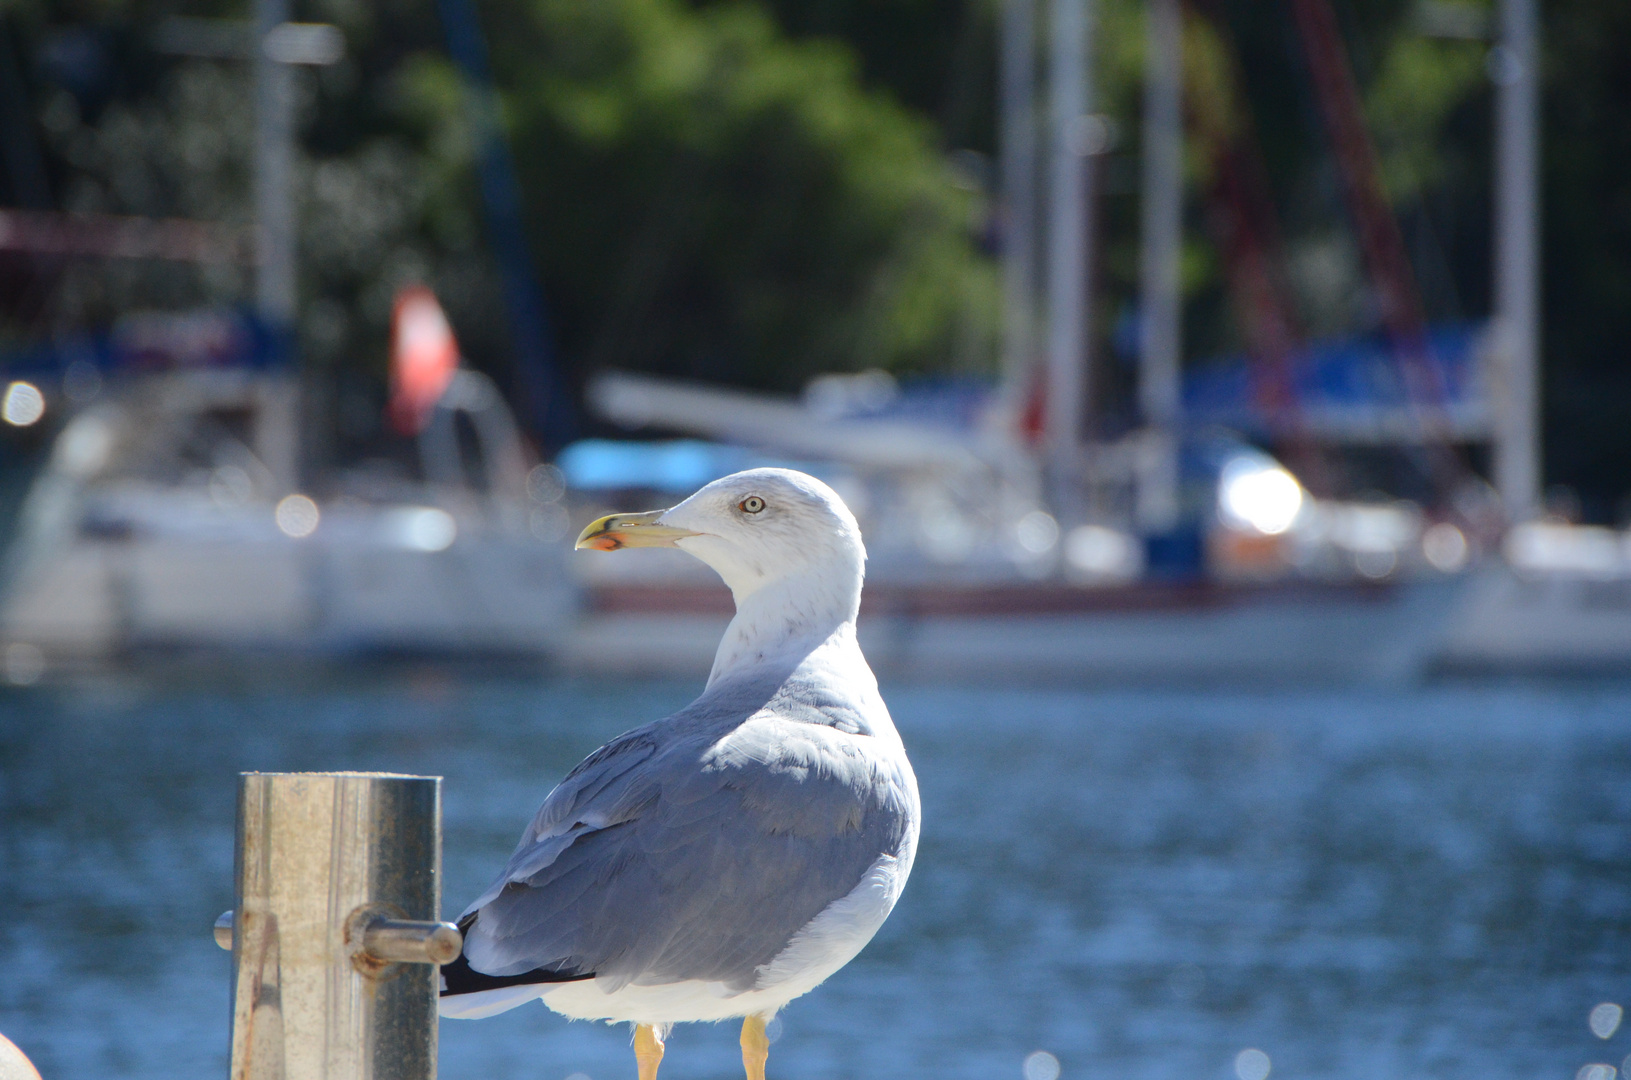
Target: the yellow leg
pixel 648 1050
pixel 755 1047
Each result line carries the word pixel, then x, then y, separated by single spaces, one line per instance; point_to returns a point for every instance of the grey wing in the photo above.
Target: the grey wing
pixel 698 860
pixel 594 795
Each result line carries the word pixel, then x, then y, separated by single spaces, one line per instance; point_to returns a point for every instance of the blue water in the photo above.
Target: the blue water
pixel 1414 883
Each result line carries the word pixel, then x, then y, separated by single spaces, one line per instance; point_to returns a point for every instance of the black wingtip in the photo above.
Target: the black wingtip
pixel 460 978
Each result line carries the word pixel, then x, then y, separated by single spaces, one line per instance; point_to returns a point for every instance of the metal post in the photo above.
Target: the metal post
pixel 277 421
pixel 1159 387
pixel 334 935
pixel 1517 249
pixel 1019 199
pixel 274 166
pixel 1074 135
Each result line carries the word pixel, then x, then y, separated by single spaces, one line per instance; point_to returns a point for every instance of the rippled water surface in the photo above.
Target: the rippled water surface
pixel 1422 883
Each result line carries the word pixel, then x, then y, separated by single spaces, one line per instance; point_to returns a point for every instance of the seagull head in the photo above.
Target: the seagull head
pixel 757 529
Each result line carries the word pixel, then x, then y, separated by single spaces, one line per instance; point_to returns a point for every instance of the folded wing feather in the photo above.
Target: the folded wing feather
pixel 692 851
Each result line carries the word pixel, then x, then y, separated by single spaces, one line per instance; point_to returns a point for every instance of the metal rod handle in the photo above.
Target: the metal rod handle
pixel 411 941
pixel 387 940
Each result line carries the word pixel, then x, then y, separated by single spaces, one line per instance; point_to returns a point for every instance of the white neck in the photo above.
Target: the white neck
pixel 787 619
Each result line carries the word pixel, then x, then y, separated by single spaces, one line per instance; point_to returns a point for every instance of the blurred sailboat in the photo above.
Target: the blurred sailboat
pixel 158 524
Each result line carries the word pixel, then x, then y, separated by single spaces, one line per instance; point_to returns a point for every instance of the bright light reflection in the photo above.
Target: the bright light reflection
pixel 1545 547
pixel 1037 532
pixel 1252 1064
pixel 1041 1065
pixel 1260 495
pixel 85 446
pixel 1445 548
pixel 1605 1019
pixel 1596 1071
pixel 23 405
pixel 1101 552
pixel 421 528
pixel 297 516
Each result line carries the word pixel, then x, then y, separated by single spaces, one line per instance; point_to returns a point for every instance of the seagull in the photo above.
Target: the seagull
pixel 722 861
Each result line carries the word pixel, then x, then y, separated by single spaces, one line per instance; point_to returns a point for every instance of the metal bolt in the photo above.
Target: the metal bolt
pixel 223 931
pixel 383 939
pixel 375 937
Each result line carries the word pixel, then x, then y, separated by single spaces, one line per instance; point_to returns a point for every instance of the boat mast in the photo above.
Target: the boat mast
pixel 1073 135
pixel 1517 247
pixel 1018 117
pixel 276 432
pixel 274 155
pixel 1160 311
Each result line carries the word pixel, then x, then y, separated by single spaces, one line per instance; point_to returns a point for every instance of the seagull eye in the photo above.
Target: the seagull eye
pixel 751 505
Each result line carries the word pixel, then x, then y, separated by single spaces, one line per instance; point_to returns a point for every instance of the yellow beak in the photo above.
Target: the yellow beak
pixel 630 530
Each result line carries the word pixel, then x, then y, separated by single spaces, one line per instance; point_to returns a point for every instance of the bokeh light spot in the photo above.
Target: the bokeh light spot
pixel 1261 496
pixel 1041 1065
pixel 1252 1064
pixel 1037 532
pixel 421 528
pixel 23 404
pixel 297 516
pixel 1096 551
pixel 546 483
pixel 1605 1019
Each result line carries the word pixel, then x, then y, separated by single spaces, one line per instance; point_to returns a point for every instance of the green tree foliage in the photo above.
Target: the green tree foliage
pixel 936 57
pixel 708 199
pixel 704 196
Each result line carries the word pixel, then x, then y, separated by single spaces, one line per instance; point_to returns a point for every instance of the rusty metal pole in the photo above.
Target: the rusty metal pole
pixel 335 938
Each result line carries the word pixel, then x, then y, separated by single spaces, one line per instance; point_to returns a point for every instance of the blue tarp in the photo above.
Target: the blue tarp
pixel 1351 374
pixel 675 465
pixel 152 341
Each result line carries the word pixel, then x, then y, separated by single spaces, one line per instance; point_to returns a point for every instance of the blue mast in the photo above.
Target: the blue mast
pixel 544 403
